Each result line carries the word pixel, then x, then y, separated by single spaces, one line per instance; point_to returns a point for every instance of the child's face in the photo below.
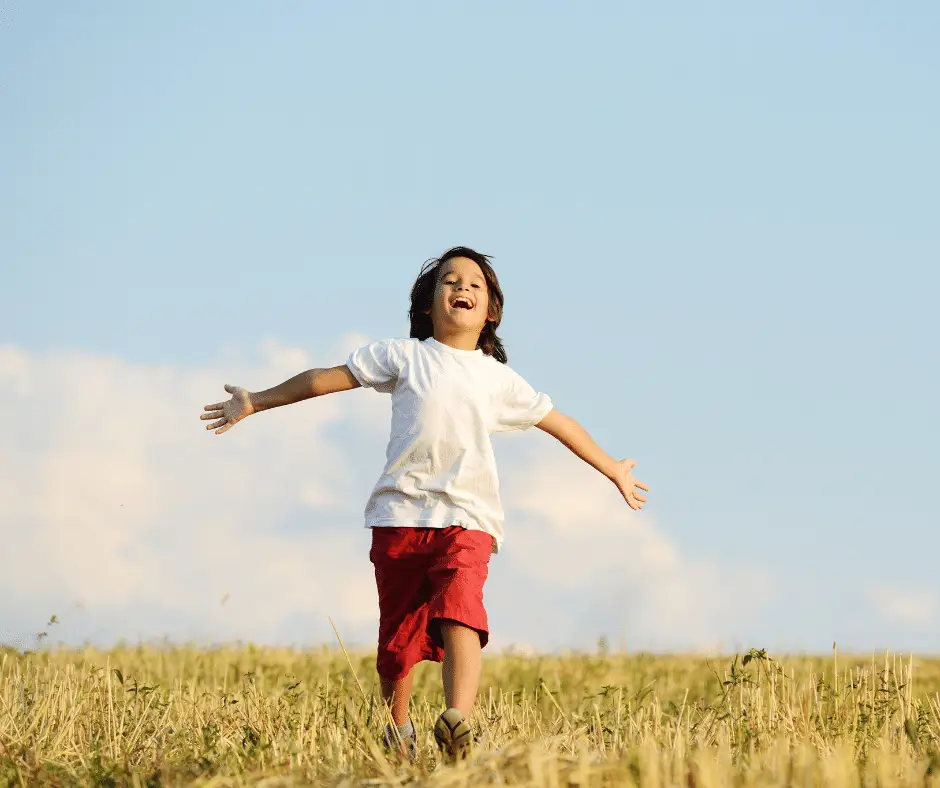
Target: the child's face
pixel 461 300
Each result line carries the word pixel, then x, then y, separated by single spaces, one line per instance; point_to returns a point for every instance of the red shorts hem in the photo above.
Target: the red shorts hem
pixel 434 627
pixel 393 669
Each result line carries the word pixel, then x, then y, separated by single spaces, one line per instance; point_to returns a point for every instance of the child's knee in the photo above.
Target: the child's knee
pixel 454 632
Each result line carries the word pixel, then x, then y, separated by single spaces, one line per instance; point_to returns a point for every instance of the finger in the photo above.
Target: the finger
pixel 226 428
pixel 219 423
pixel 230 388
pixel 641 486
pixel 216 414
pixel 639 498
pixel 217 406
pixel 630 464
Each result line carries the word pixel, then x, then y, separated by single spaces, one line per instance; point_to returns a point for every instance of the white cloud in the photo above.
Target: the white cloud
pixel 14 370
pixel 112 495
pixel 912 606
pixel 574 531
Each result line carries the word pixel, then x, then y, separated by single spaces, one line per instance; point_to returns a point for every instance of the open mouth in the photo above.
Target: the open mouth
pixel 461 303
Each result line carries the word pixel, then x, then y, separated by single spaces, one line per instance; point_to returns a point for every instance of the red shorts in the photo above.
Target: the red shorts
pixel 424 575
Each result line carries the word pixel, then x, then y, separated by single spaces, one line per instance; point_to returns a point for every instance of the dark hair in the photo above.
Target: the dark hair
pixel 422 297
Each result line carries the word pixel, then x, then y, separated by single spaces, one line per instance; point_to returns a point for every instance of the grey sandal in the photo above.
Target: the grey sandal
pixel 454 735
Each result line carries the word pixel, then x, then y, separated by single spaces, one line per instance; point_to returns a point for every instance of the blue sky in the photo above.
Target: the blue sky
pixel 717 233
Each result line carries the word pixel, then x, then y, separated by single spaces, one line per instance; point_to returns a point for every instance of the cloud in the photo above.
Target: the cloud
pixel 113 495
pixel 573 533
pixel 120 514
pixel 917 607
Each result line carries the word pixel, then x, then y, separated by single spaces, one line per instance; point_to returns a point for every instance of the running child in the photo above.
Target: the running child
pixel 435 511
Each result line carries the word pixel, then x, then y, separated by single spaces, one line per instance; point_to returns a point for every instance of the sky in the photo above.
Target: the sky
pixel 716 228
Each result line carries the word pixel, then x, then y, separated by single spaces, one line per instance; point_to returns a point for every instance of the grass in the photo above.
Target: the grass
pixel 153 715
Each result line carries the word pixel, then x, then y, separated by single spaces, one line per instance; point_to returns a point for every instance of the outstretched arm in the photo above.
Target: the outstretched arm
pixel 312 383
pixel 576 438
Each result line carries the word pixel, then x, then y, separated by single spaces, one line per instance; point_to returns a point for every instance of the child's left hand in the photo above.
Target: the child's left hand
pixel 628 486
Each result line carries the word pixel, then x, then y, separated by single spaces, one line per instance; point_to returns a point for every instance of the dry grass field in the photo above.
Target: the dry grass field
pixel 154 715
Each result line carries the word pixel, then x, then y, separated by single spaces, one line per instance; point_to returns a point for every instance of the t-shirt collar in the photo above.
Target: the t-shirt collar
pixel 448 349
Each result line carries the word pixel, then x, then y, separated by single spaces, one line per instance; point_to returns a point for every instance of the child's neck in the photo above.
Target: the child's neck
pixel 459 340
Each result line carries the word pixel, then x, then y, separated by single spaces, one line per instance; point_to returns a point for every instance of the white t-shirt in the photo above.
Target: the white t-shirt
pixel 440 469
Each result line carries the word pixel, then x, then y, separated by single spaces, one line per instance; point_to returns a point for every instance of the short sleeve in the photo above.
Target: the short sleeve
pixel 376 365
pixel 520 406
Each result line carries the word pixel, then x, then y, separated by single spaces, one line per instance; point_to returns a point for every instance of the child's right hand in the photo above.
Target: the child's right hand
pixel 231 412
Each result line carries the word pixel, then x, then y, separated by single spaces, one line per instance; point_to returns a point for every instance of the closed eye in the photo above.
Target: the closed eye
pixel 454 281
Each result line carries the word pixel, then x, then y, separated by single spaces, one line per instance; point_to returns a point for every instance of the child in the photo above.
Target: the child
pixel 435 512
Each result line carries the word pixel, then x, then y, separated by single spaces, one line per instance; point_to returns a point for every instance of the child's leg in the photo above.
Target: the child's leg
pixel 396 694
pixel 463 665
pixel 401 558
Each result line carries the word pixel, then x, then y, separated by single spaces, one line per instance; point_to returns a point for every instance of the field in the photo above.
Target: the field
pixel 230 716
